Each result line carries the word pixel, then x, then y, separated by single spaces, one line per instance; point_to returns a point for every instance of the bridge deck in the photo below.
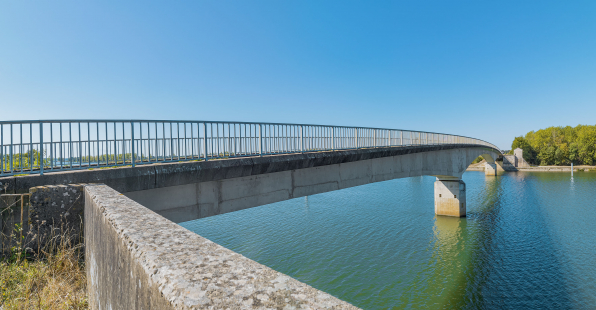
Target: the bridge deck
pixel 129 179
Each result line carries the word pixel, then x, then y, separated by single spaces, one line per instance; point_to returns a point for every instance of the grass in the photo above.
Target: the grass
pixel 52 279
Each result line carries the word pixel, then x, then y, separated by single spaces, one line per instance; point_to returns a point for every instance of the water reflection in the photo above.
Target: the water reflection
pixel 448 232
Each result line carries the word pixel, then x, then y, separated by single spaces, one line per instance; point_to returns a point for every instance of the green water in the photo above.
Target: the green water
pixel 528 242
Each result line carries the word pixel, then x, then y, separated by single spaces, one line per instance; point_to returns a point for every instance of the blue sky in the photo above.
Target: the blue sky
pixel 487 69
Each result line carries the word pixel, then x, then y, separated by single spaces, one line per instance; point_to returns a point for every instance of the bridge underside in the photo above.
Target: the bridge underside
pixel 202 199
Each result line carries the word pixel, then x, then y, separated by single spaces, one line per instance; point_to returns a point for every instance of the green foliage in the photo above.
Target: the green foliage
pixel 478 159
pixel 522 143
pixel 26 161
pixel 559 145
pixel 30 161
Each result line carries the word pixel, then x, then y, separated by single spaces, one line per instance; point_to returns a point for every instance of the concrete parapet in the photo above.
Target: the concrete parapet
pixel 136 259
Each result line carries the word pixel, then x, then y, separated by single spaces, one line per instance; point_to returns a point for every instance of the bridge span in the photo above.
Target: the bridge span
pixel 185 170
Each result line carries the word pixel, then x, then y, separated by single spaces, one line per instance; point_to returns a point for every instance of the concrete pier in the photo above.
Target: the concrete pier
pixel 450 197
pixel 494 169
pixel 490 169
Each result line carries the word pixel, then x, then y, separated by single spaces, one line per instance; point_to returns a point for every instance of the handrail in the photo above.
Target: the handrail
pixel 38 146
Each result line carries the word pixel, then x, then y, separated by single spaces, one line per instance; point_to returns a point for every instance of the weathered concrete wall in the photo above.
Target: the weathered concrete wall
pixel 519 155
pixel 47 212
pixel 222 195
pixel 509 162
pixel 136 259
pixel 55 212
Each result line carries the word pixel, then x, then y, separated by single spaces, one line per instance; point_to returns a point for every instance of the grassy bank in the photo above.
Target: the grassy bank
pixel 52 279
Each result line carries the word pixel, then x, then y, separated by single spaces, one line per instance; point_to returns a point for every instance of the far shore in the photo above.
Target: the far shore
pixel 580 168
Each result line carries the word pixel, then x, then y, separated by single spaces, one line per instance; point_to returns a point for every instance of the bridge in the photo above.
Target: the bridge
pixel 185 170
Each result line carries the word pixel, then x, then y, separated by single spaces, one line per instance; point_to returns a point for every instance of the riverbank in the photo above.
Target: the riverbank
pixel 583 168
pixel 559 168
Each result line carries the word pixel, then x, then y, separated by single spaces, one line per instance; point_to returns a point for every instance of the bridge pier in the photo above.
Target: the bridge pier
pixel 490 169
pixel 493 169
pixel 450 196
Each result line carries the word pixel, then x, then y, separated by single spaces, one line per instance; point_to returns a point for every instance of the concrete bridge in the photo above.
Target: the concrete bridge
pixel 185 191
pixel 168 166
pixel 206 169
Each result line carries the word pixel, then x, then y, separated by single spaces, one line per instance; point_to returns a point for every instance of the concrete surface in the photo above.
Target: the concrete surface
pixel 450 197
pixel 136 259
pixel 55 211
pixel 292 176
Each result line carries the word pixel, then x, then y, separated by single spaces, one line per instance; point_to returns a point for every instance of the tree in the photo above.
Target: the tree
pixel 529 154
pixel 559 145
pixel 586 138
pixel 574 153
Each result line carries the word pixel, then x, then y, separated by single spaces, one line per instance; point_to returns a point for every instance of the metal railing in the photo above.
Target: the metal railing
pixel 56 145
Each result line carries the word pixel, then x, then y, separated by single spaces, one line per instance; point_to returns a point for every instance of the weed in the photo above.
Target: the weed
pixel 52 278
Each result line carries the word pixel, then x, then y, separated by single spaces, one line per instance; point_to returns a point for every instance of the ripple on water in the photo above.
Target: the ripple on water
pixel 529 241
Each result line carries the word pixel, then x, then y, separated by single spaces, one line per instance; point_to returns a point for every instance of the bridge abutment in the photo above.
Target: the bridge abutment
pixel 450 196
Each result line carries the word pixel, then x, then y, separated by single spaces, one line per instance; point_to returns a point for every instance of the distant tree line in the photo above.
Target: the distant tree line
pixel 559 146
pixel 26 160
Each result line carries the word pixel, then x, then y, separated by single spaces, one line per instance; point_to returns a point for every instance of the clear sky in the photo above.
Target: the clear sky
pixel 487 69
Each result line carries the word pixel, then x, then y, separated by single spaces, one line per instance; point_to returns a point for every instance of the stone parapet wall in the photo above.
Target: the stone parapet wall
pixel 136 259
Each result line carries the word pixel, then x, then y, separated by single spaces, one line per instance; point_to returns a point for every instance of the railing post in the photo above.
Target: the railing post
pixel 401 137
pixel 301 139
pixel 390 144
pixel 260 141
pixel 205 139
pixel 333 138
pixel 11 146
pixel 41 148
pixel 374 138
pixel 132 144
pixel 356 136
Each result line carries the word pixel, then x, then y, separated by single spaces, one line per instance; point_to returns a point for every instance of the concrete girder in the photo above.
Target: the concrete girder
pixel 198 200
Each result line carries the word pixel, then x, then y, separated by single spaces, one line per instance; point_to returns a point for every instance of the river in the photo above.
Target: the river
pixel 528 241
